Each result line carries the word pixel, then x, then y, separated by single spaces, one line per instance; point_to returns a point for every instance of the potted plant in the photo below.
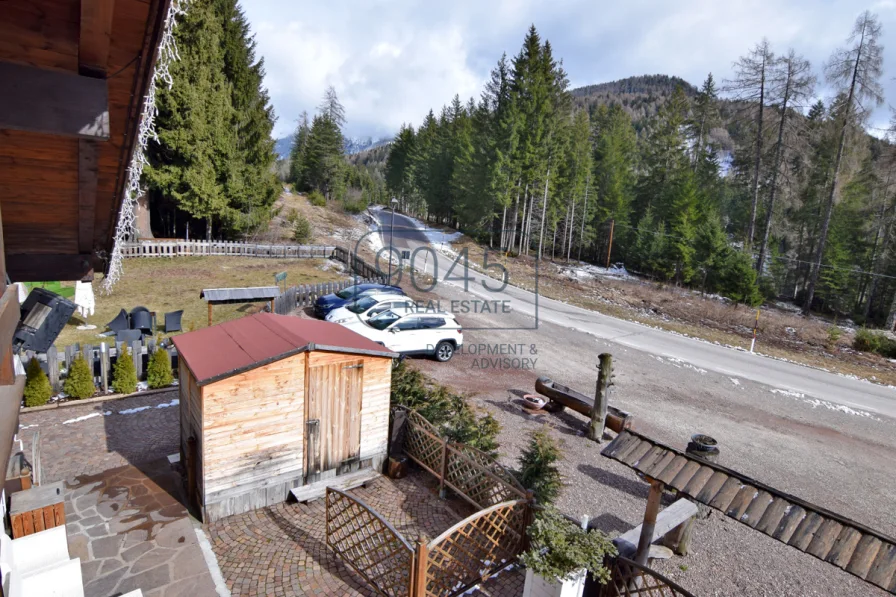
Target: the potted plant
pixel 561 555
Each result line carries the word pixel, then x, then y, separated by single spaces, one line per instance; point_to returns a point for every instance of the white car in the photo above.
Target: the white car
pixel 364 308
pixel 415 333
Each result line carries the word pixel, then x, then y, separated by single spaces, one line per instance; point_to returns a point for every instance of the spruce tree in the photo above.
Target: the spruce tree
pixel 158 371
pixel 124 374
pixel 37 385
pixel 538 470
pixel 79 382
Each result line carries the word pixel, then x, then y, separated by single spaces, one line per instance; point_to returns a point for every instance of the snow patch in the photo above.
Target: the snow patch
pixel 85 417
pixel 815 403
pixel 735 381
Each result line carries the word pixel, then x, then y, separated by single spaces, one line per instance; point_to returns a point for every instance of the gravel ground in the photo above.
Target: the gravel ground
pixel 842 462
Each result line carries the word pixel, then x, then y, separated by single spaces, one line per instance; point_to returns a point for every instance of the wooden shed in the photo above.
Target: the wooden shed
pixel 269 403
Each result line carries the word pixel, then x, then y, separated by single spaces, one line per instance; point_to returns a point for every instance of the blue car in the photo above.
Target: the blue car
pixel 328 302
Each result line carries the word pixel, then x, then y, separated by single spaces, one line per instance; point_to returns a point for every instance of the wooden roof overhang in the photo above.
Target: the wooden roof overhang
pixel 74 74
pixel 842 542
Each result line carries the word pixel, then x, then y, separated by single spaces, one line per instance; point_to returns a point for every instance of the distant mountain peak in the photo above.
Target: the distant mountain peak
pixel 352 145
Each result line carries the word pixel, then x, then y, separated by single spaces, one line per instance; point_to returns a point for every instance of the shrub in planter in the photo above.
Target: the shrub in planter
pixel 37 385
pixel 560 550
pixel 79 383
pixel 538 467
pixel 124 374
pixel 158 372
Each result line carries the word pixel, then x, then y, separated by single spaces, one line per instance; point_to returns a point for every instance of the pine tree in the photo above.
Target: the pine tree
pixel 298 151
pixel 538 467
pixel 37 385
pixel 158 371
pixel 79 383
pixel 704 118
pixel 195 151
pixel 124 374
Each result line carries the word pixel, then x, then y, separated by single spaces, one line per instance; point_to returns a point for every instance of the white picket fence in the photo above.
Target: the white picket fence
pixel 196 248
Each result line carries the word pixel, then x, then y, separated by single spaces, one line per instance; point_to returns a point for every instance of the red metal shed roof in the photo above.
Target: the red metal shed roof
pixel 229 348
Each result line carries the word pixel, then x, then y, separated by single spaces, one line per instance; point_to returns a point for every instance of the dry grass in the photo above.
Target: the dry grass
pixel 781 334
pixel 329 225
pixel 164 285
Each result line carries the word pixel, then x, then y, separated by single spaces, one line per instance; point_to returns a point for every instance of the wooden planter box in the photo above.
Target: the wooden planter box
pixel 37 509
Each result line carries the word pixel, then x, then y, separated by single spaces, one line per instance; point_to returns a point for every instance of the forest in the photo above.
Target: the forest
pixel 751 187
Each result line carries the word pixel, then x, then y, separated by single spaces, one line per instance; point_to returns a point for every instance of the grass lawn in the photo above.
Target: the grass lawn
pixel 164 285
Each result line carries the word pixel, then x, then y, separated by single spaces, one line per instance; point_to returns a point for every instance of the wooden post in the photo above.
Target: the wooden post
pixel 418 578
pixel 647 527
pixel 53 368
pixel 679 538
pixel 209 314
pixel 601 398
pixel 87 351
pixel 104 366
pixel 444 469
pixel 137 357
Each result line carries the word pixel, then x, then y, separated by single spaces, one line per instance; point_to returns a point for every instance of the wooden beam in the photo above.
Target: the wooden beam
pixel 37 267
pixel 649 524
pixel 87 184
pixel 54 102
pixel 96 34
pixel 681 511
pixel 9 320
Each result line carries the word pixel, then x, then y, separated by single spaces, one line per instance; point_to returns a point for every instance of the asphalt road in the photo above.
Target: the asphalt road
pixel 814 383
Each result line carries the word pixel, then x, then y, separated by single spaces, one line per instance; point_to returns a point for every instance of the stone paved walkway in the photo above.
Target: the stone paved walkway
pixel 282 551
pixel 123 511
pixel 131 532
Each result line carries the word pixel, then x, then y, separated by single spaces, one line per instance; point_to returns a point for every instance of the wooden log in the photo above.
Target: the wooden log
pixel 601 398
pixel 844 547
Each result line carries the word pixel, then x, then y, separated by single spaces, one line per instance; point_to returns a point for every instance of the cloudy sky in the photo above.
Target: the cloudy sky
pixel 391 61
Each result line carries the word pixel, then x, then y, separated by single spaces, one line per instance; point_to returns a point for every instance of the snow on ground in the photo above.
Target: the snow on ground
pixel 815 403
pixel 587 271
pixel 85 417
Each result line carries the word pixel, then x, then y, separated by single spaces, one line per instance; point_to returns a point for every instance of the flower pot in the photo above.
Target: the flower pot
pixel 533 401
pixel 537 586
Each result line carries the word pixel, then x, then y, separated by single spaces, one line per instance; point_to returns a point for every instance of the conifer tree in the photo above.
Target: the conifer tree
pixel 124 374
pixel 856 70
pixel 79 382
pixel 538 470
pixel 37 385
pixel 158 371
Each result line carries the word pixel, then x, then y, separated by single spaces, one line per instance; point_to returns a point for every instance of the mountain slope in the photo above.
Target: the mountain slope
pixel 352 146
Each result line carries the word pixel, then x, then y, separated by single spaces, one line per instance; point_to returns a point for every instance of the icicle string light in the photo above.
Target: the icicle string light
pixel 124 229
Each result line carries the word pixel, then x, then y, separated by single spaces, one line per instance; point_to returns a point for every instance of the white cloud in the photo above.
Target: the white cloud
pixel 393 61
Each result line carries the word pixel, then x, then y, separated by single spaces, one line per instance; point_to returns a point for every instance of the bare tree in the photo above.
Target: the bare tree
pixel 750 83
pixel 331 107
pixel 855 70
pixel 792 83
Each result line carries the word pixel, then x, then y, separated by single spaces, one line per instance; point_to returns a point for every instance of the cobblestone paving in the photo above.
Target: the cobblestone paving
pixel 281 550
pixel 84 440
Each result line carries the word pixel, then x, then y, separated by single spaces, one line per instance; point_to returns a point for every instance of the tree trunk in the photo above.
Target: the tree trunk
pixel 757 159
pixel 891 320
pixel 584 217
pixel 774 187
pixel 504 229
pixel 570 226
pixel 516 210
pixel 544 211
pixel 810 293
pixel 208 228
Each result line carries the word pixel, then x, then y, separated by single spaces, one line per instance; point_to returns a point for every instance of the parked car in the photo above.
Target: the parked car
pixel 415 333
pixel 362 309
pixel 328 302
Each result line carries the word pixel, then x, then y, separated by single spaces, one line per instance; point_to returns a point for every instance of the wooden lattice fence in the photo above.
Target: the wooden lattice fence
pixel 474 549
pixel 474 476
pixel 304 295
pixel 628 579
pixel 369 545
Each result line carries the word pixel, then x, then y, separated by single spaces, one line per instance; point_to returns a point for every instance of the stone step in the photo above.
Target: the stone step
pixel 317 490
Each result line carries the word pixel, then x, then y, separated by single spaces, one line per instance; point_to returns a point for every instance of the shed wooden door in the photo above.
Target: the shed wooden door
pixel 333 418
